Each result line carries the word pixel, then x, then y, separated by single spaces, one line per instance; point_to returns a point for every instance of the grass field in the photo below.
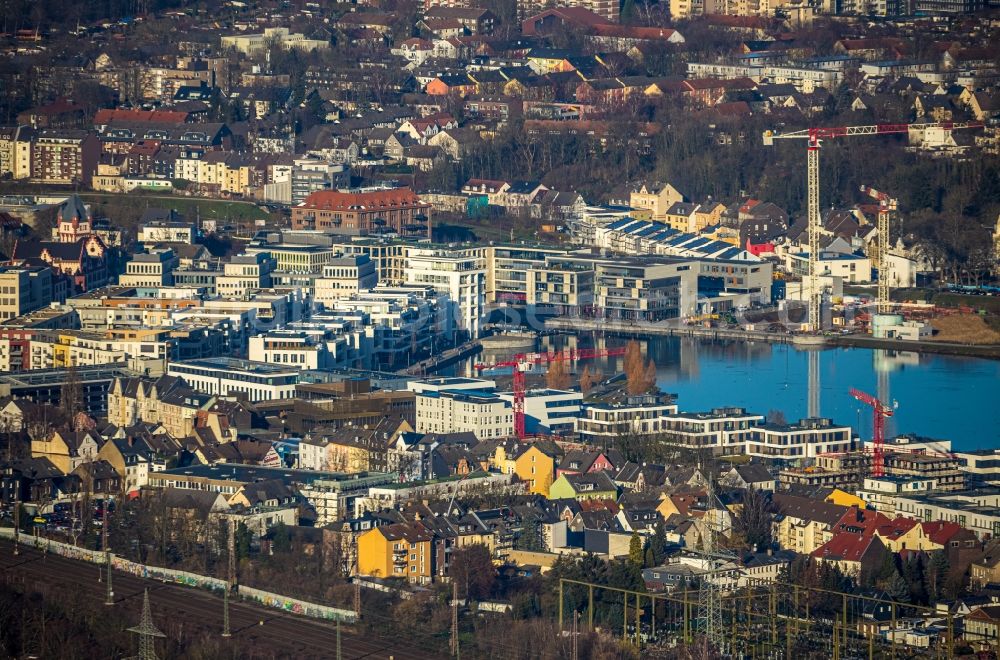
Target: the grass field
pixel 965 329
pixel 129 208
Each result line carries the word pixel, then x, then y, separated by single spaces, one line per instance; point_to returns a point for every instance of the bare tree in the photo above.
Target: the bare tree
pixel 71 394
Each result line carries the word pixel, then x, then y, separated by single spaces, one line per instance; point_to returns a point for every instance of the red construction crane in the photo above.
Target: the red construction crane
pixel 815 137
pixel 880 412
pixel 521 360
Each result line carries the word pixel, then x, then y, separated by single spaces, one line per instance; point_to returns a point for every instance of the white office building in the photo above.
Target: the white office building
pixel 224 376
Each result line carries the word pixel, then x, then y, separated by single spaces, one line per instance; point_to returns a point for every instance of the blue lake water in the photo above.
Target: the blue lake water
pixel 954 398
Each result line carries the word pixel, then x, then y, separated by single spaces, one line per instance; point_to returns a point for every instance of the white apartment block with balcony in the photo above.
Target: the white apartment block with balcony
pixel 343 277
pixel 637 415
pixel 482 413
pixel 804 440
pixel 723 430
pixel 223 376
pixel 459 274
pixel 547 410
pixel 301 349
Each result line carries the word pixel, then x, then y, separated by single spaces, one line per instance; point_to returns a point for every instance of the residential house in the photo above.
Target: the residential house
pixel 753 475
pixel 655 197
pixel 589 486
pixel 986 569
pixel 67 449
pixel 580 461
pixel 852 554
pixel 403 550
pixel 803 524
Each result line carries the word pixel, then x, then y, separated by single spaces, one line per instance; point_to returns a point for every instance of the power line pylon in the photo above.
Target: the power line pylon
pixel 230 558
pixel 106 546
pixel 454 619
pixel 147 631
pixel 710 590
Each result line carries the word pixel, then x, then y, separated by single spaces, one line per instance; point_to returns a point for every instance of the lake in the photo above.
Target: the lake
pixel 943 397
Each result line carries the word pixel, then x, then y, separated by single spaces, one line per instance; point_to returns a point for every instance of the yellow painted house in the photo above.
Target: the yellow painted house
pixel 402 550
pixel 67 449
pixel 534 464
pixel 537 468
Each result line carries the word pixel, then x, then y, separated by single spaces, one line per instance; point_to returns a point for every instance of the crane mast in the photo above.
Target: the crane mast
pixel 880 412
pixel 814 137
pixel 886 206
pixel 518 363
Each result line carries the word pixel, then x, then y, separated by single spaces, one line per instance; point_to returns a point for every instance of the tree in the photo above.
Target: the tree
pixel 587 380
pixel 658 543
pixel 241 541
pixel 639 377
pixel 753 522
pixel 897 588
pixel 635 550
pixel 281 538
pixel 936 575
pixel 472 570
pixel 71 394
pixel 557 377
pixel 775 416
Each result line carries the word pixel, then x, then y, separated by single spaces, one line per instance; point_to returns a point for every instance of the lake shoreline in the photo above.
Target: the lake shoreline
pixel 571 325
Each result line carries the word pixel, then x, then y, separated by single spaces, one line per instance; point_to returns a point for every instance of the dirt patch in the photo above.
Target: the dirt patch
pixel 965 329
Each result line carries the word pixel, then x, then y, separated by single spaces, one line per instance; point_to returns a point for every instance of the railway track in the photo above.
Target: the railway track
pixel 269 631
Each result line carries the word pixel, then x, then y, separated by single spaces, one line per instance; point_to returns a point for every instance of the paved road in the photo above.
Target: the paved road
pixel 282 634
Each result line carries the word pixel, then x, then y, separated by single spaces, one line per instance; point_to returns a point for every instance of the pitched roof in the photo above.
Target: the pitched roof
pixel 107 115
pixel 334 200
pixel 847 547
pixel 806 508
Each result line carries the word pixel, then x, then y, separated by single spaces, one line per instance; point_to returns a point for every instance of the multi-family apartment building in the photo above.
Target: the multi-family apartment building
pixel 23 290
pixel 149 269
pixel 721 430
pixel 602 422
pixel 65 156
pixel 364 213
pixel 15 151
pixel 800 441
pixel 645 289
pixel 454 411
pixel 243 273
pixel 345 276
pixel 460 275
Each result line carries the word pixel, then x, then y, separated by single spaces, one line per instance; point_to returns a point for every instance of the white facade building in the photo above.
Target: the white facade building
pixel 461 276
pixel 483 413
pixel 258 381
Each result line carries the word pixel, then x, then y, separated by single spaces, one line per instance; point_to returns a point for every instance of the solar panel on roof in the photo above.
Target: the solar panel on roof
pixel 730 253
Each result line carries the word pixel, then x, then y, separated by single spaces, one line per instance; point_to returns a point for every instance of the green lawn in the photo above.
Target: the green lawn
pixel 131 207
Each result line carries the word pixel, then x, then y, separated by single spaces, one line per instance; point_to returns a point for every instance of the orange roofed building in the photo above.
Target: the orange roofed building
pixel 365 213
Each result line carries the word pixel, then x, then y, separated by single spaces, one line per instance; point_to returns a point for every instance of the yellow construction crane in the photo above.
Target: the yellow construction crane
pixel 815 137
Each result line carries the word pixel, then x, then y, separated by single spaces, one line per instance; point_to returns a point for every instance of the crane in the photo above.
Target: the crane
pixel 522 360
pixel 880 412
pixel 886 205
pixel 815 137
